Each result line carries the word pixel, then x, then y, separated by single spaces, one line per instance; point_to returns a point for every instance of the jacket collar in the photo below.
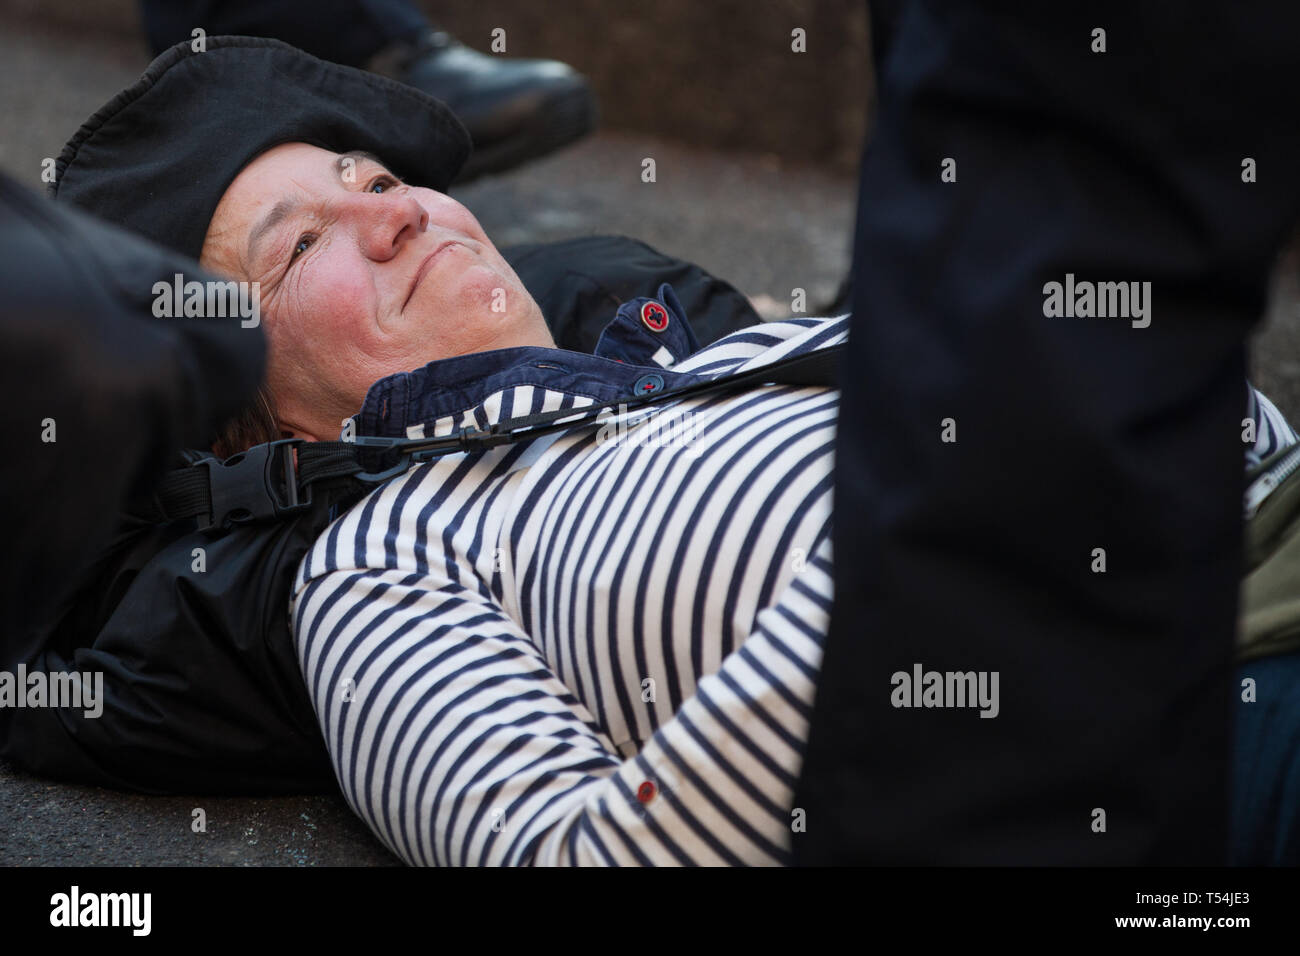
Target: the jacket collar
pixel 633 356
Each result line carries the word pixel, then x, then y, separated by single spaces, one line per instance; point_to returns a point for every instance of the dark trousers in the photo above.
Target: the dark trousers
pixel 1079 532
pixel 1266 766
pixel 344 31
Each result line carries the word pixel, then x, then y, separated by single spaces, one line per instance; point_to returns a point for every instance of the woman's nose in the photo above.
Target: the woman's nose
pixel 384 222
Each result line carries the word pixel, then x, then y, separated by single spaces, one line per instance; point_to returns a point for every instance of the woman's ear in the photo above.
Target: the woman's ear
pixel 289 430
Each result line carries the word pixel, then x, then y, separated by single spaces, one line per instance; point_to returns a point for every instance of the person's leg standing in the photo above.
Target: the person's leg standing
pixel 1029 490
pixel 516 109
pixel 343 31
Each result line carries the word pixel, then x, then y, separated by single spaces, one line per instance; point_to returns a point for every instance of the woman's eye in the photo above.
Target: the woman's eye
pixel 301 246
pixel 379 185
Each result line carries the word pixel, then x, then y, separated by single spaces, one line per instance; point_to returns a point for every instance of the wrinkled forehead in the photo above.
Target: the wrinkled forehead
pixel 290 167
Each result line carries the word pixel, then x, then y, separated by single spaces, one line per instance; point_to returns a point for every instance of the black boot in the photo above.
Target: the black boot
pixel 515 110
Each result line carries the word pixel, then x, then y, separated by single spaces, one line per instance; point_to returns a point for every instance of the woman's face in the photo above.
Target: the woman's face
pixel 361 276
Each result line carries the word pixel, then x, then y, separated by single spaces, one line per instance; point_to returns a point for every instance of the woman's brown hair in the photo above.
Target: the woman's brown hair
pixel 252 426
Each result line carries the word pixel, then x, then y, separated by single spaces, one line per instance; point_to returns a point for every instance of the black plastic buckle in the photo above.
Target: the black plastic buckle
pixel 255 485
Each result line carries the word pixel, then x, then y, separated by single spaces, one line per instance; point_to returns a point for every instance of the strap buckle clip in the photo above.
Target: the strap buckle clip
pixel 254 485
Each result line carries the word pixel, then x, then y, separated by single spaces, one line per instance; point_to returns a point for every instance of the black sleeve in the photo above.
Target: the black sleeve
pixel 185 637
pixel 84 361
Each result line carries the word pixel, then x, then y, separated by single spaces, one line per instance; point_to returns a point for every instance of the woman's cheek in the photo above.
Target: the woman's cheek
pixel 447 213
pixel 336 303
pixel 485 293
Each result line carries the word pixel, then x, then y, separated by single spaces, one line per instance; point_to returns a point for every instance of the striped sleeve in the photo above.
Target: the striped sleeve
pixel 1271 429
pixel 768 342
pixel 456 743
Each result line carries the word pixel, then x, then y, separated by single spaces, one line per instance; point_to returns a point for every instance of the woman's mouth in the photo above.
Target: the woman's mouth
pixel 424 268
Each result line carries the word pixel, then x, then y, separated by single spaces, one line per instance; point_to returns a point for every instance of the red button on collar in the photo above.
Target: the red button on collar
pixel 655 316
pixel 646 792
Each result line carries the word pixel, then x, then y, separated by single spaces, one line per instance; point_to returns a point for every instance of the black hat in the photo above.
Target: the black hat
pixel 158 157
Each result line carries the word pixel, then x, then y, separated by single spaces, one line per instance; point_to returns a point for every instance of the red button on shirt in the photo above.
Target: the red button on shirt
pixel 646 792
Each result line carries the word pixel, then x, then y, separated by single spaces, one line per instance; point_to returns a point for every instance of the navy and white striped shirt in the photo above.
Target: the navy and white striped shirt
pixel 592 647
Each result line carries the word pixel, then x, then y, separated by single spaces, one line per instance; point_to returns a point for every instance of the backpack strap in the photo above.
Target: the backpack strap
pixel 271 481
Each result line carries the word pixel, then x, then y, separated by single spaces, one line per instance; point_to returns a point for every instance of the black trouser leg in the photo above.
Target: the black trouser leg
pixel 1072 434
pixel 344 31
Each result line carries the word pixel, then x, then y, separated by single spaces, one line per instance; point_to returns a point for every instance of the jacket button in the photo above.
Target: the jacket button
pixel 655 316
pixel 646 792
pixel 648 384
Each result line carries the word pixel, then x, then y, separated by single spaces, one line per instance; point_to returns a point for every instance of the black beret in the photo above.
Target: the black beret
pixel 158 157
